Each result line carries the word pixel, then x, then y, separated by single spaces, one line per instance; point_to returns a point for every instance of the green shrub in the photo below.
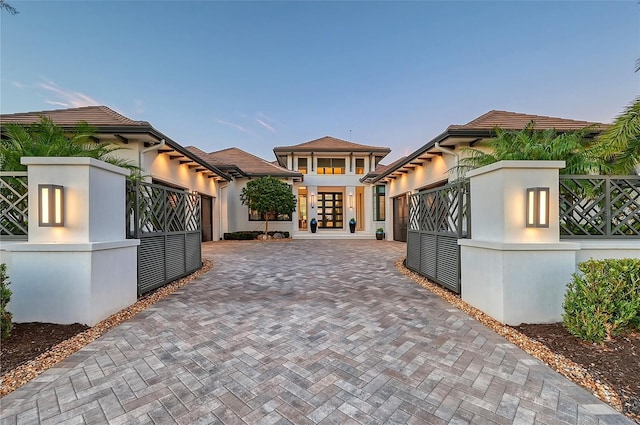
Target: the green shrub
pixel 604 299
pixel 248 235
pixel 5 296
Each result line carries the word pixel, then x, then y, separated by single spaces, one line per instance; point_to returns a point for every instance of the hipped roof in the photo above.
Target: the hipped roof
pixel 107 121
pixel 328 144
pixel 477 129
pixel 240 163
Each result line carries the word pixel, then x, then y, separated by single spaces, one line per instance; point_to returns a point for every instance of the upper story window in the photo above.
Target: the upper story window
pixel 359 165
pixel 331 165
pixel 302 165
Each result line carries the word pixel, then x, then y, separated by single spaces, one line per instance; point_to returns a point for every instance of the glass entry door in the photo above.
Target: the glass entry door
pixel 330 210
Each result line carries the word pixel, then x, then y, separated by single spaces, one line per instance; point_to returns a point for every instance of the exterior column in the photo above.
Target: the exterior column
pixel 85 270
pixel 514 273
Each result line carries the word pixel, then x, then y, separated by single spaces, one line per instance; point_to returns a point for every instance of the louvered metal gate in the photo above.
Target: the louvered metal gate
pixel 437 219
pixel 167 222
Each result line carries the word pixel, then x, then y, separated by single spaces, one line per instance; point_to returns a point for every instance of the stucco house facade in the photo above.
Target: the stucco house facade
pixel 332 192
pixel 161 159
pixel 325 176
pixel 333 180
pixel 242 167
pixel 434 163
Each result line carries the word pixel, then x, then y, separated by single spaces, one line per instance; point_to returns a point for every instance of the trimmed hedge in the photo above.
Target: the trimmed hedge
pixel 604 299
pixel 248 235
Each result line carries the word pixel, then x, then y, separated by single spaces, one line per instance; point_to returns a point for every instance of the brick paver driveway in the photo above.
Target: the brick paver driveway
pixel 303 332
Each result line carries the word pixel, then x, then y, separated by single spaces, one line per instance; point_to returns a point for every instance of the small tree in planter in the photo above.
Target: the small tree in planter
pixel 379 233
pixel 268 196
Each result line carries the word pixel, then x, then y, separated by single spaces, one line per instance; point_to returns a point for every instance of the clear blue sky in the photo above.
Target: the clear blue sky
pixel 259 75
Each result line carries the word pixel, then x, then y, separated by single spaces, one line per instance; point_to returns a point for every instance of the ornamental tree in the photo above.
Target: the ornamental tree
pixel 268 196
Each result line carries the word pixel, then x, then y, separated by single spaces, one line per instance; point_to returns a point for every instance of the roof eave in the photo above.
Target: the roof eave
pixel 430 144
pixel 285 150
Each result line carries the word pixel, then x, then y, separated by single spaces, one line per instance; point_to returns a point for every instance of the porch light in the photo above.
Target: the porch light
pixel 351 200
pixel 50 205
pixel 537 207
pixel 313 200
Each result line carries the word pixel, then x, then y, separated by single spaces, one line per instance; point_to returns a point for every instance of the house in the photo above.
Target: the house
pixel 242 167
pixel 324 174
pixel 433 164
pixel 332 191
pixel 162 159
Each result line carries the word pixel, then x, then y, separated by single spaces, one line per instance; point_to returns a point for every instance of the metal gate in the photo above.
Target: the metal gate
pixel 437 219
pixel 167 222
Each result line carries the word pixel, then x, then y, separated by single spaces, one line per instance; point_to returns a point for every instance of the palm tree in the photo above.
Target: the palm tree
pixel 6 6
pixel 621 141
pixel 573 147
pixel 45 138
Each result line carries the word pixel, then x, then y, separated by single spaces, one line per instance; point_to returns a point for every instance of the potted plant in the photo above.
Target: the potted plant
pixel 379 233
pixel 352 225
pixel 314 225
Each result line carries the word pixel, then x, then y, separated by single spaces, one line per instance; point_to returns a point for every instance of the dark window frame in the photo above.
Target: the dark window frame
pixel 379 208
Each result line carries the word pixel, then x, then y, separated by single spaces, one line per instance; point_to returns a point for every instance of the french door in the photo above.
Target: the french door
pixel 330 210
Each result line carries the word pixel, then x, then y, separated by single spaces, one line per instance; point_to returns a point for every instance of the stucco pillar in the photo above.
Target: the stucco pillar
pixel 514 273
pixel 86 270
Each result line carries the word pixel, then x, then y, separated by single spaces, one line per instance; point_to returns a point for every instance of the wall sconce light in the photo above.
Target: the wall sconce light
pixel 537 207
pixel 50 205
pixel 351 200
pixel 313 200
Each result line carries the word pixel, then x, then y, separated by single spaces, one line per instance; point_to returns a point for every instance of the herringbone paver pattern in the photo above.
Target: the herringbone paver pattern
pixel 303 332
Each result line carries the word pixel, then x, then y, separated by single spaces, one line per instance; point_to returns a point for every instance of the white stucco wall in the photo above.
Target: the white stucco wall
pixel 72 283
pixel 238 214
pixel 160 166
pixel 86 270
pixel 514 273
pixel 600 249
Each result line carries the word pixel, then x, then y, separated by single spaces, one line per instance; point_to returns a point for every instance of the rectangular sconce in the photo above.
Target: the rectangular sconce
pixel 537 207
pixel 351 200
pixel 50 205
pixel 313 200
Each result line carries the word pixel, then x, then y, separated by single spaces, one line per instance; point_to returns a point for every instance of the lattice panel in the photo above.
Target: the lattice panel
pixel 414 212
pixel 599 206
pixel 625 206
pixel 443 210
pixel 14 205
pixel 160 209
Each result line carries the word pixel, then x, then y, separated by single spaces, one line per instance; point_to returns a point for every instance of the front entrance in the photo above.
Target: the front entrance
pixel 330 210
pixel 400 218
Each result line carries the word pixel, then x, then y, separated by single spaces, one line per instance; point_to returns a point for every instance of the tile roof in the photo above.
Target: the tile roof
pixel 483 127
pixel 517 121
pixel 329 143
pixel 106 121
pixel 97 116
pixel 244 162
